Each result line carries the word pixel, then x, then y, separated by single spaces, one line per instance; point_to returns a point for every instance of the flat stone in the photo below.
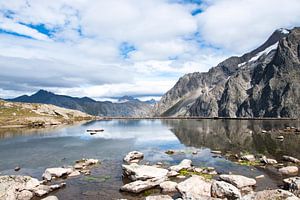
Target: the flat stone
pixel 133 156
pixel 238 180
pixel 159 197
pixel 139 186
pixel 143 172
pixel 271 195
pixel 291 159
pixel 222 189
pixel 289 170
pixel 168 186
pixel 194 188
pixel 56 172
pixel 184 164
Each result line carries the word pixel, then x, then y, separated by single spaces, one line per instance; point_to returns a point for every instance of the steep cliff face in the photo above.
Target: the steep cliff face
pixel 261 83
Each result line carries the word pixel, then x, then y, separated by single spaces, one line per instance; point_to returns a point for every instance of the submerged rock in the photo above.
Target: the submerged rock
pixel 223 189
pixel 159 197
pixel 194 188
pixel 139 186
pixel 184 164
pixel 238 180
pixel 133 156
pixel 143 172
pixel 289 170
pixel 168 186
pixel 271 195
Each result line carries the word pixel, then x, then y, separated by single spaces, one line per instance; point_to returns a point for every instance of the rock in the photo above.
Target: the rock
pixel 17 168
pixel 289 170
pixel 291 159
pixel 50 198
pixel 184 164
pixel 194 188
pixel 56 172
pixel 280 137
pixel 269 161
pixel 238 180
pixel 198 170
pixel 79 166
pixel 143 172
pixel 292 183
pixel 41 190
pixel 216 152
pixel 249 157
pixel 139 186
pixel 168 186
pixel 57 186
pixel 86 171
pixel 271 195
pixel 181 177
pixel 194 152
pixel 159 197
pixel 25 195
pixel 170 152
pixel 133 155
pixel 260 176
pixel 223 189
pixel 172 173
pixel 74 173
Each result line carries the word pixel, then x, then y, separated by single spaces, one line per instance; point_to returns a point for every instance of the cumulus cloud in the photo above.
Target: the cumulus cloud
pixel 112 48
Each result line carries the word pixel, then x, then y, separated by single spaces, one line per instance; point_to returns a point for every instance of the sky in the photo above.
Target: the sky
pixel 103 49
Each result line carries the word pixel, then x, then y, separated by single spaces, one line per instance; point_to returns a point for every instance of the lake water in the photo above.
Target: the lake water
pixel 35 150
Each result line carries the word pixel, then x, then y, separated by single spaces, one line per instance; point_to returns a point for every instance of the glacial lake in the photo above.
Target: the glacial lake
pixel 37 149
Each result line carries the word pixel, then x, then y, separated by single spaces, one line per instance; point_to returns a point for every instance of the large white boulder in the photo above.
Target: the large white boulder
pixel 238 180
pixel 184 164
pixel 143 172
pixel 133 156
pixel 56 172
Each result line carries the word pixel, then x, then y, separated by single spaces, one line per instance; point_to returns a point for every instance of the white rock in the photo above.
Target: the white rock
pixel 172 173
pixel 139 186
pixel 56 172
pixel 143 172
pixel 194 188
pixel 249 157
pixel 91 162
pixel 291 159
pixel 270 195
pixel 133 155
pixel 238 180
pixel 223 189
pixel 41 190
pixel 184 164
pixel 159 197
pixel 50 198
pixel 289 170
pixel 168 186
pixel 25 195
pixel 74 173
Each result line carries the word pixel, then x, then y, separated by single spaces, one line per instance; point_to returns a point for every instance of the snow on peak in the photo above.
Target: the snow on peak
pixel 284 31
pixel 264 52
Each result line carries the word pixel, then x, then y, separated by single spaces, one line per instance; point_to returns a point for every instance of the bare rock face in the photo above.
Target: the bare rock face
pixel 261 83
pixel 238 180
pixel 194 188
pixel 222 189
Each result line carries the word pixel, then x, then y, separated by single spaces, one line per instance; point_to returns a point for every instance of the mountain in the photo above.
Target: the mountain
pixel 262 83
pixel 14 114
pixel 131 108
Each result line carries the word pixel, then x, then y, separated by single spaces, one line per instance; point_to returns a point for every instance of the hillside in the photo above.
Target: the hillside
pixel 262 83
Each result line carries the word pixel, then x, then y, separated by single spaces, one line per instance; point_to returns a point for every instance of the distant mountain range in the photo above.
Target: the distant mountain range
pixel 126 106
pixel 262 83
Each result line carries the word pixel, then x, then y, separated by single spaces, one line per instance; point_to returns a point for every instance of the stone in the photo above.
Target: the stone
pixel 159 197
pixel 291 159
pixel 91 161
pixel 292 183
pixel 216 152
pixel 143 172
pixel 50 198
pixel 238 180
pixel 184 164
pixel 172 173
pixel 181 177
pixel 79 166
pixel 194 187
pixel 25 195
pixel 260 176
pixel 170 152
pixel 74 173
pixel 168 186
pixel 280 137
pixel 269 161
pixel 289 170
pixel 17 168
pixel 139 186
pixel 221 189
pixel 249 157
pixel 133 155
pixel 56 172
pixel 41 190
pixel 271 195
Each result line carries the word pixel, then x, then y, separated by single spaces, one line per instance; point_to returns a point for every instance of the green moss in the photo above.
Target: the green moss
pixel 249 163
pixel 185 172
pixel 96 179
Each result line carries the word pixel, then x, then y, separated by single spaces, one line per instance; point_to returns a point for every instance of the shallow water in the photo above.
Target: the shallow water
pixel 35 150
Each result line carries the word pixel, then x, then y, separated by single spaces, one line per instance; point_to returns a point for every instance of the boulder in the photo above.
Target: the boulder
pixel 269 161
pixel 221 189
pixel 56 172
pixel 184 164
pixel 249 157
pixel 291 159
pixel 159 197
pixel 292 183
pixel 168 186
pixel 289 170
pixel 133 156
pixel 238 180
pixel 143 172
pixel 194 188
pixel 139 186
pixel 271 195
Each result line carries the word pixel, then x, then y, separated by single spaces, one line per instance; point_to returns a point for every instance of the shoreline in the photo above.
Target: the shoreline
pixel 186 118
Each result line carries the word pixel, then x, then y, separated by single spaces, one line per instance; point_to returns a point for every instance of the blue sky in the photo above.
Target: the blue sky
pixel 113 48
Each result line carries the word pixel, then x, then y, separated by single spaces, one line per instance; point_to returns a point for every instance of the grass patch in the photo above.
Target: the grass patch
pixel 249 163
